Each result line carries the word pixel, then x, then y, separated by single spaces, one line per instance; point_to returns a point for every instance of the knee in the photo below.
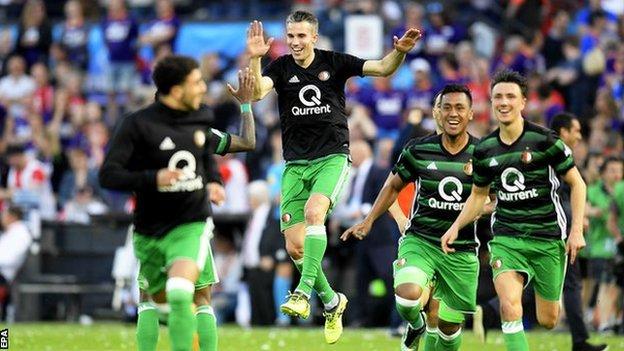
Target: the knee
pixel 548 319
pixel 511 310
pixel 408 291
pixel 295 250
pixel 314 215
pixel 448 328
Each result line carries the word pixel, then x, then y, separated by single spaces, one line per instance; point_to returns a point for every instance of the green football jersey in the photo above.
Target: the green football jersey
pixel 526 177
pixel 443 183
pixel 600 242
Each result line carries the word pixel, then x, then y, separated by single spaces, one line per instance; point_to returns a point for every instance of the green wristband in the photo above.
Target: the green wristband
pixel 245 108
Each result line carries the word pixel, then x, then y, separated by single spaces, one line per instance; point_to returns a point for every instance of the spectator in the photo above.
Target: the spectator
pixel 78 177
pixel 28 182
pixel 120 34
pixel 420 96
pixel 385 105
pixel 75 35
pixel 235 181
pixel 601 246
pixel 15 241
pixel 43 97
pixel 34 35
pixel 16 88
pixel 332 22
pixel 82 206
pixel 164 30
pixel 6 48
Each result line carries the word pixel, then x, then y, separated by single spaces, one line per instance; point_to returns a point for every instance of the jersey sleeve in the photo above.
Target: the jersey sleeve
pixel 348 65
pixel 219 141
pixel 405 166
pixel 116 172
pixel 481 176
pixel 274 70
pixel 559 155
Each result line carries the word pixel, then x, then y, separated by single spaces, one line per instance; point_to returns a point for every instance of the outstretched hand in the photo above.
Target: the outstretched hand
pixel 245 89
pixel 359 231
pixel 407 41
pixel 256 45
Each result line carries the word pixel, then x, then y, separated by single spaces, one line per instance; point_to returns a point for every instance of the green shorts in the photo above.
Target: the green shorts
pixel 186 241
pixel 456 274
pixel 325 175
pixel 541 260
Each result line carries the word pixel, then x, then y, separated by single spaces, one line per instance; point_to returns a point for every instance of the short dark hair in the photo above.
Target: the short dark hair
pixel 172 70
pixel 509 76
pixel 562 120
pixel 435 97
pixel 15 211
pixel 456 88
pixel 603 166
pixel 303 16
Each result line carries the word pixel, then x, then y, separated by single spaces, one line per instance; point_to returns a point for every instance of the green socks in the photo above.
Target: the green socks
pixel 409 310
pixel 181 319
pixel 312 276
pixel 206 328
pixel 430 338
pixel 513 334
pixel 147 327
pixel 448 342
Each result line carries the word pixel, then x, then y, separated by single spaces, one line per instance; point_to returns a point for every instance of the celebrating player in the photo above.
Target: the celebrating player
pixel 163 154
pixel 310 84
pixel 524 162
pixel 442 166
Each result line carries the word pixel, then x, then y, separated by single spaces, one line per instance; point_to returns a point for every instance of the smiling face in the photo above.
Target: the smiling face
pixel 507 102
pixel 300 38
pixel 455 113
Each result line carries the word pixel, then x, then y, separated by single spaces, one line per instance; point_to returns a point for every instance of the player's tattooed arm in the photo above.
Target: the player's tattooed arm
pixel 257 47
pixel 247 139
pixel 387 196
pixel 389 64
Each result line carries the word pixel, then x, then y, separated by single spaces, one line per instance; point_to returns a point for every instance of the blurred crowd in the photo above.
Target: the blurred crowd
pixel 56 122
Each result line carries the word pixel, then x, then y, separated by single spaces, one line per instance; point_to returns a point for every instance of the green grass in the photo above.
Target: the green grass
pixel 115 336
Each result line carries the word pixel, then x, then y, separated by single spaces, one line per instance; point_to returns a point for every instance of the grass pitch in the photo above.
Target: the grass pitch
pixel 118 337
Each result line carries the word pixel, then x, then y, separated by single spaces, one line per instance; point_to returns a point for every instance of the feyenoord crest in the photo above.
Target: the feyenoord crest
pixel 468 168
pixel 286 217
pixel 401 262
pixel 323 76
pixel 526 156
pixel 199 138
pixel 497 263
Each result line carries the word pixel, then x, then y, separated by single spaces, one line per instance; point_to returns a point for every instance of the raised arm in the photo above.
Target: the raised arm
pixel 247 139
pixel 472 209
pixel 387 196
pixel 389 64
pixel 578 194
pixel 256 48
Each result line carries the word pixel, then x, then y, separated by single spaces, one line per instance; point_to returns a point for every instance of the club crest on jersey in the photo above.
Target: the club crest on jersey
pixel 497 263
pixel 323 76
pixel 401 262
pixel 526 156
pixel 286 217
pixel 199 137
pixel 468 168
